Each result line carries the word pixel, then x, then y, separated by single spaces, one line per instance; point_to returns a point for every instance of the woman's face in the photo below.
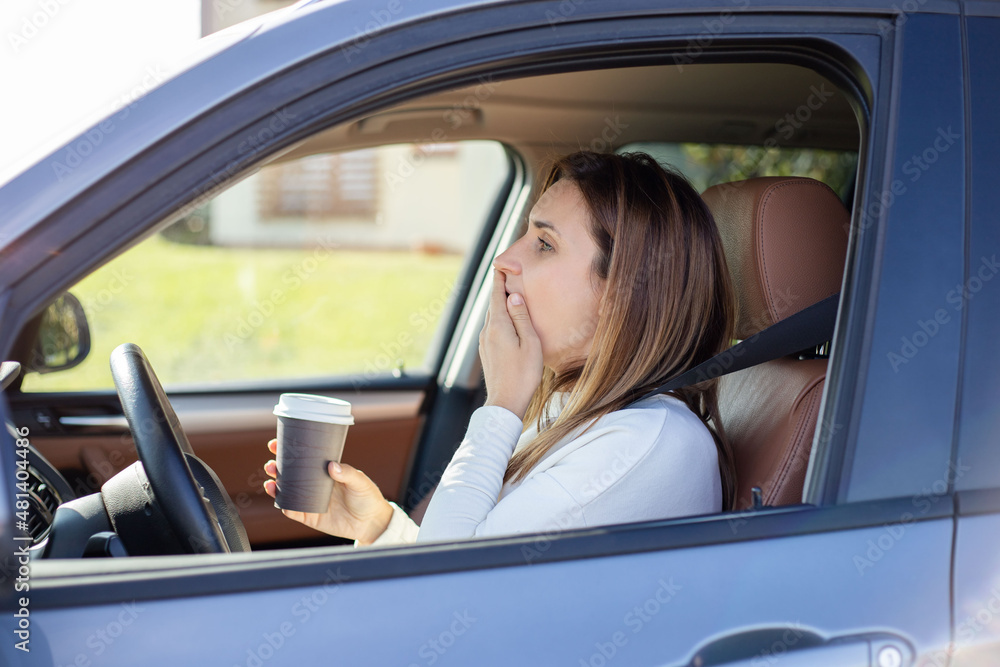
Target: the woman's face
pixel 551 267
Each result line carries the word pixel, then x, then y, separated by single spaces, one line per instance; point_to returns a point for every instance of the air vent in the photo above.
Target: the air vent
pixel 43 501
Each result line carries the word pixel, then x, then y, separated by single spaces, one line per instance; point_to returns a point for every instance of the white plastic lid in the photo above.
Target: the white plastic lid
pixel 314 408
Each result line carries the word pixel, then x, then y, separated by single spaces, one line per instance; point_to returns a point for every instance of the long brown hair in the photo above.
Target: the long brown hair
pixel 667 305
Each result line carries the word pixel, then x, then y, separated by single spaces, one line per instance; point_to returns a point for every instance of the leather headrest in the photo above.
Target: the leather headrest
pixel 785 240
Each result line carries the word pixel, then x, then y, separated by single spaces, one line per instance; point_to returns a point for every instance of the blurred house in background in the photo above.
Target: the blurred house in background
pixel 403 197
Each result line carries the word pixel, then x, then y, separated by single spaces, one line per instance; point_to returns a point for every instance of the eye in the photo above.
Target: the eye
pixel 543 246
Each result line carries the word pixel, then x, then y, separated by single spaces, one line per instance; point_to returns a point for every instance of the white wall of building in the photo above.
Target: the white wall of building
pixel 426 200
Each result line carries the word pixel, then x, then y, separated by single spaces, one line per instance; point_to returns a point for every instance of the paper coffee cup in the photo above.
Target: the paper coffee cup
pixel 311 433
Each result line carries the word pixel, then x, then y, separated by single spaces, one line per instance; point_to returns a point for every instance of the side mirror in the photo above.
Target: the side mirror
pixel 63 339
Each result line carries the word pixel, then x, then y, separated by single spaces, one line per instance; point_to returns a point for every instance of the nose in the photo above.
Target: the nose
pixel 508 261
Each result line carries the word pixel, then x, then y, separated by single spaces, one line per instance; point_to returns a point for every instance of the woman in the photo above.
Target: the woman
pixel 619 283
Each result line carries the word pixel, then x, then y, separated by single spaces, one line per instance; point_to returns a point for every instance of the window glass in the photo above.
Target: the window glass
pixel 326 265
pixel 709 164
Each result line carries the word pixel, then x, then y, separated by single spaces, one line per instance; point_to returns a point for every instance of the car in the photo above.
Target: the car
pixel 312 205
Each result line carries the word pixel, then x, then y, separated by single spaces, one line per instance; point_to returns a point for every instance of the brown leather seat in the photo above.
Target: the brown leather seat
pixel 785 241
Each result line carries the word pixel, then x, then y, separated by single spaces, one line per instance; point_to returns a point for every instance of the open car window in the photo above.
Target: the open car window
pixel 327 265
pixel 336 262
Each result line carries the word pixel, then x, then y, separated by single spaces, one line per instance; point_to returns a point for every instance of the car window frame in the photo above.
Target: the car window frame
pixel 628 538
pixel 974 449
pixel 876 424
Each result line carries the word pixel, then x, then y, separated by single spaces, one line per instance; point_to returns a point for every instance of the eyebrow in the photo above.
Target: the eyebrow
pixel 541 224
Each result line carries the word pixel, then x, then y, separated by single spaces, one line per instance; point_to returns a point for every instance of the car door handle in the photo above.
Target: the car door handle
pixel 793 648
pixel 855 654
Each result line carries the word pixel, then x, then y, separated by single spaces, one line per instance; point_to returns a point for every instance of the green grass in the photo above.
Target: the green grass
pixel 205 314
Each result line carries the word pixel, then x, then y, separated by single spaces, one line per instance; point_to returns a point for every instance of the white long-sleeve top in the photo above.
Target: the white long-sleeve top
pixel 653 460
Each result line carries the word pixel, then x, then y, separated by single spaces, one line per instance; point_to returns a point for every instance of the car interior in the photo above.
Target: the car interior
pixel 783 142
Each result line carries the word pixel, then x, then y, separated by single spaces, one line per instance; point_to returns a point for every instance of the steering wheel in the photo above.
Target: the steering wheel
pixel 168 460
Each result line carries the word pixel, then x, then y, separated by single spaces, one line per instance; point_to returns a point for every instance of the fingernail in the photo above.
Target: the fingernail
pixel 336 467
pixel 516 299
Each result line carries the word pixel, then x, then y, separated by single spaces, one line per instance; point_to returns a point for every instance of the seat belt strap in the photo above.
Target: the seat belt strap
pixel 807 328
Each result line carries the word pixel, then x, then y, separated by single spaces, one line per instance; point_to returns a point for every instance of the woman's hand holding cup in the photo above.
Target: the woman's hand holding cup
pixel 311 486
pixel 357 509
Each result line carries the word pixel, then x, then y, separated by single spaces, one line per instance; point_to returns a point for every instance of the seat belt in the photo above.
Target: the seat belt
pixel 807 328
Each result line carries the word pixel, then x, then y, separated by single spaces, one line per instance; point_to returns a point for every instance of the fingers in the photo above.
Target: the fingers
pixel 345 474
pixel 498 301
pixel 518 312
pixel 271 468
pixel 495 319
pixel 351 477
pixel 499 293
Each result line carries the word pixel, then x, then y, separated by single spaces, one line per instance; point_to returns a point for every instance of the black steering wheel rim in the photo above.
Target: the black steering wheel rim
pixel 163 448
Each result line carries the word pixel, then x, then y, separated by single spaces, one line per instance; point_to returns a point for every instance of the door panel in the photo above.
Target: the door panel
pixel 642 609
pixel 977 584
